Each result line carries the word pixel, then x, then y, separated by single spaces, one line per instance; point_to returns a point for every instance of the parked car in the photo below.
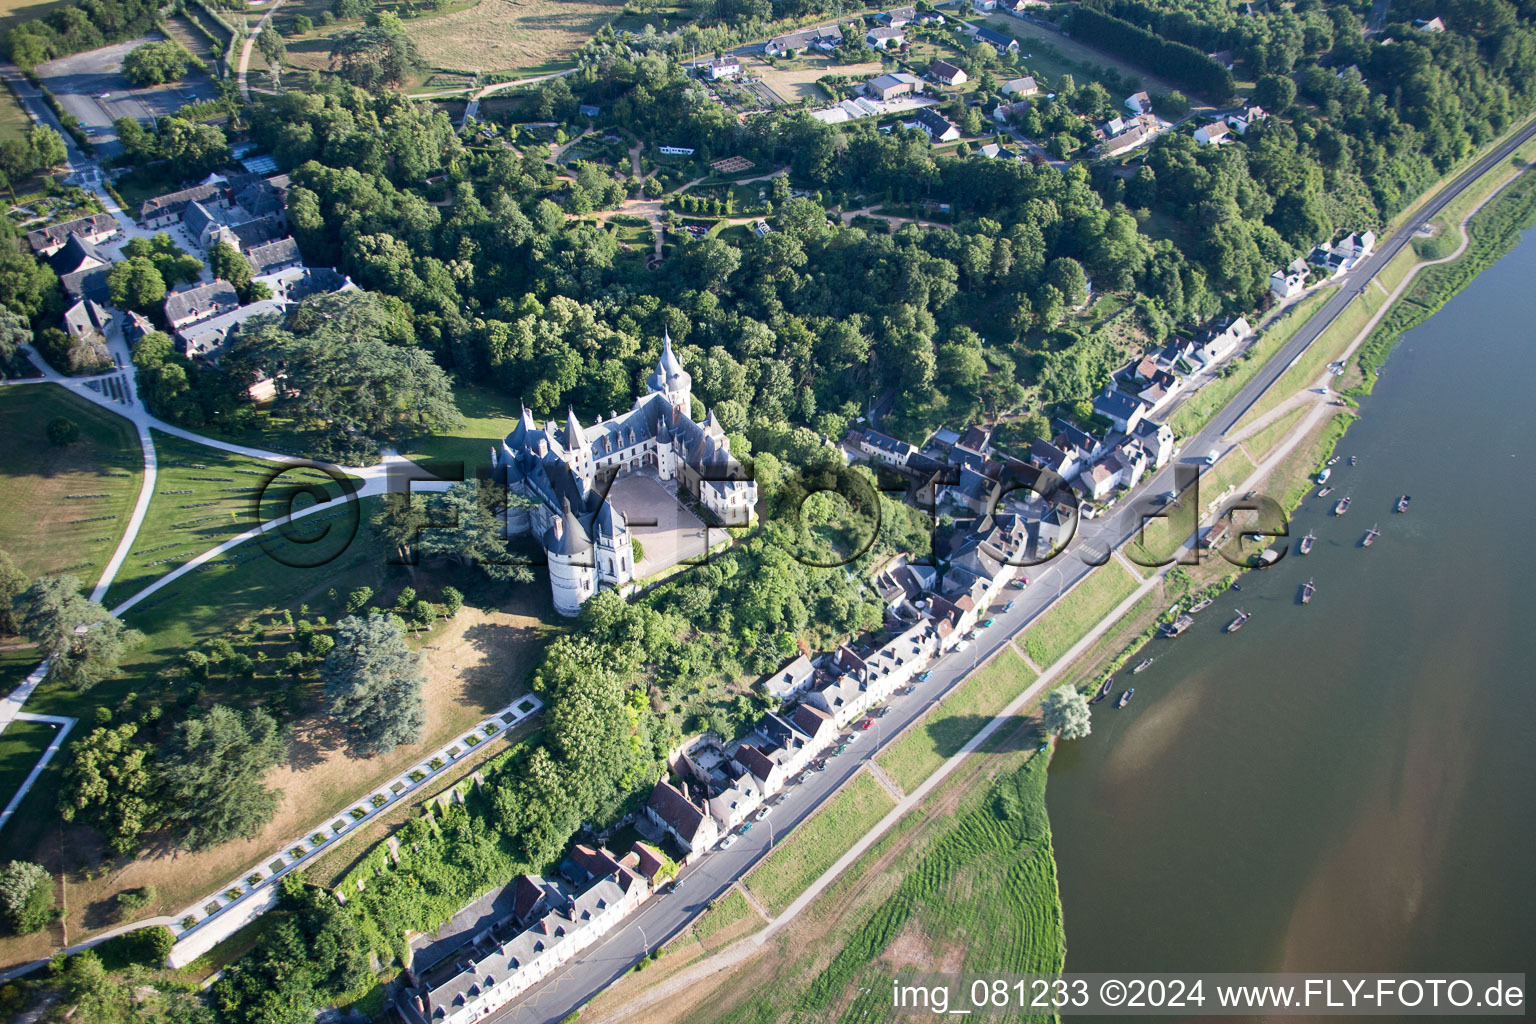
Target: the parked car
pixel 1009 606
pixel 728 842
pixel 922 679
pixel 762 812
pixel 746 827
pixel 987 624
pixel 840 748
pixel 866 723
pixel 909 689
pixel 962 645
pixel 880 712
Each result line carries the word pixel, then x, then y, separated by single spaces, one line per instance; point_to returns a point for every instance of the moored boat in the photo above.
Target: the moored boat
pixel 1322 477
pixel 1370 537
pixel 1202 605
pixel 1239 622
pixel 1402 503
pixel 1178 626
pixel 1353 459
pixel 1342 506
pixel 1139 669
pixel 1333 461
pixel 1307 542
pixel 1125 698
pixel 1324 492
pixel 1307 591
pixel 1103 690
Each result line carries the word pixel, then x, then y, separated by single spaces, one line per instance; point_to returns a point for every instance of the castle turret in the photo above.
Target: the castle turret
pixel 572 575
pixel 578 450
pixel 670 378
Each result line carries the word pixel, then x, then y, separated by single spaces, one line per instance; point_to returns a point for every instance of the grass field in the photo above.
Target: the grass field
pixel 203 497
pixel 21 745
pixel 488 418
pixel 941 733
pixel 817 842
pixel 1070 618
pixel 1329 346
pixel 726 911
pixel 796 80
pixel 494 35
pixel 14 121
pixel 1260 443
pixel 1052 54
pixel 1197 411
pixel 40 523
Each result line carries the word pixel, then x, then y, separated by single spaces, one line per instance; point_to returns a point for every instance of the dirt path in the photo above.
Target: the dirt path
pixel 250 44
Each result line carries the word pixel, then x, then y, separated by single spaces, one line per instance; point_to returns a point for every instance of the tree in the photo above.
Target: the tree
pixel 227 263
pixel 303 24
pixel 452 599
pixel 358 598
pixel 28 287
pixel 14 333
pixel 373 682
pixel 1064 712
pixel 63 431
pixel 83 641
pixel 108 784
pixel 13 581
pixel 135 283
pixel 210 779
pixel 271 45
pixel 1275 93
pixel 465 525
pixel 158 63
pixel 373 57
pixel 424 614
pixel 26 896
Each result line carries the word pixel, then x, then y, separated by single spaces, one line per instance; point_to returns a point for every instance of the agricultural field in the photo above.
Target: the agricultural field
pixel 817 842
pixel 63 509
pixel 1070 618
pixel 941 733
pixel 203 497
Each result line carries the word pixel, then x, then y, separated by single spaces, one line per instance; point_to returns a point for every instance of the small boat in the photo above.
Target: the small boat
pixel 1370 537
pixel 1333 461
pixel 1178 626
pixel 1342 506
pixel 1402 504
pixel 1237 586
pixel 1239 622
pixel 1307 591
pixel 1324 492
pixel 1352 460
pixel 1103 691
pixel 1139 669
pixel 1202 605
pixel 1125 698
pixel 1307 542
pixel 1322 477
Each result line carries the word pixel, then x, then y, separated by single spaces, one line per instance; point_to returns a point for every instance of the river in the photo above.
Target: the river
pixel 1347 785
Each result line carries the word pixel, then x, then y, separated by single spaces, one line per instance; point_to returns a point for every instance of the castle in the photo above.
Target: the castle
pixel 587 540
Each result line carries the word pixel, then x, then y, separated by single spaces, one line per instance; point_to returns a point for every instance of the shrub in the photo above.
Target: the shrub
pixel 147 947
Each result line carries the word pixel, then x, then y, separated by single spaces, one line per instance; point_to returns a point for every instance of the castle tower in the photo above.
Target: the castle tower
pixel 615 553
pixel 666 448
pixel 670 378
pixel 578 451
pixel 572 575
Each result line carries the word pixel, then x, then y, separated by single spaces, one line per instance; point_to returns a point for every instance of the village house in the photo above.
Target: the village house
pixel 884 38
pixel 1025 86
pixel 1212 134
pixel 1138 103
pixel 723 67
pixel 167 210
pixel 792 42
pixel 1432 25
pixel 694 830
pixel 87 318
pixel 1344 255
pixel 1221 340
pixel 1246 118
pixel 1003 44
pixel 82 268
pixel 898 16
pixel 93 230
pixel 207 338
pixel 1290 281
pixel 945 73
pixel 938 127
pixel 1122 136
pixel 1055 528
pixel 493 972
pixel 190 305
pixel 901 584
pixel 882 447
pixel 791 680
pixel 1121 409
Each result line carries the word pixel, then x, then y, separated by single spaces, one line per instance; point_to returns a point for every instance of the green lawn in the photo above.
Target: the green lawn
pixel 1261 442
pixel 21 745
pixel 726 911
pixel 203 497
pixel 1197 411
pixel 64 508
pixel 941 733
pixel 1078 611
pixel 488 418
pixel 817 842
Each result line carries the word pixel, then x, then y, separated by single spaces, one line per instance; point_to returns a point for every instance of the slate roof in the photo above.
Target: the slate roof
pixel 204 300
pixel 676 810
pixel 176 202
pixel 58 234
pixel 279 254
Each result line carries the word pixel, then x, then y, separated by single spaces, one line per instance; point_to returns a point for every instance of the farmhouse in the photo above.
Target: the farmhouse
pixel 1025 86
pixel 1002 43
pixel 723 67
pixel 898 16
pixel 1212 134
pixel 938 127
pixel 884 38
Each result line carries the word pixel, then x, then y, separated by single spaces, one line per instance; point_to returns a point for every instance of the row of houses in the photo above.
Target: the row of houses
pixel 1327 261
pixel 546 925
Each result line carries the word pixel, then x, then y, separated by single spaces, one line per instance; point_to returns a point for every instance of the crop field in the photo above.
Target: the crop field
pixel 977 894
pixel 203 497
pixel 63 509
pixel 941 733
pixel 1070 618
pixel 498 35
pixel 817 842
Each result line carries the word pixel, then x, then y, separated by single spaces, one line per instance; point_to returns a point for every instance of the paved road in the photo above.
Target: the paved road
pixel 663 916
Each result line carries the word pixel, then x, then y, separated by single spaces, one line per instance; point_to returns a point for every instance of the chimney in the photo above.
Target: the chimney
pixel 559 527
